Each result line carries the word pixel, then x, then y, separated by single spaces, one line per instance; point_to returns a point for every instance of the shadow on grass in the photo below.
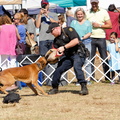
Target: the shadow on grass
pixel 29 95
pixel 71 91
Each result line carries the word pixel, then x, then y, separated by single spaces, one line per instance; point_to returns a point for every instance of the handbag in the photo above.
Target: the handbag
pixel 29 41
pixel 20 48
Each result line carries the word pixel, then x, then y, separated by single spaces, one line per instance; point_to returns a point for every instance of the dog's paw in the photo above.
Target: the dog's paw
pixel 46 94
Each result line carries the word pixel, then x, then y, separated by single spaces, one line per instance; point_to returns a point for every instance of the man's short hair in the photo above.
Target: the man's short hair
pixel 24 11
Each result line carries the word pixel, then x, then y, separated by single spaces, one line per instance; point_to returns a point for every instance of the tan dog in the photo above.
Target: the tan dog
pixel 27 74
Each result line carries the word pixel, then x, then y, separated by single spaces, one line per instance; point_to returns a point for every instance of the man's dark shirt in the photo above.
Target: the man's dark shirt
pixel 67 34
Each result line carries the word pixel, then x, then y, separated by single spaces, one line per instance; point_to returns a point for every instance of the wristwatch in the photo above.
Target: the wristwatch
pixel 64 47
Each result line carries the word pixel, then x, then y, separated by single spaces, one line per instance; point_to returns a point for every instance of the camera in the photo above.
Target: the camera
pixel 44 6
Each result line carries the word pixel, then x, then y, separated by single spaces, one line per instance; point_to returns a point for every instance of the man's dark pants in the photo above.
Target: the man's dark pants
pixel 65 64
pixel 100 43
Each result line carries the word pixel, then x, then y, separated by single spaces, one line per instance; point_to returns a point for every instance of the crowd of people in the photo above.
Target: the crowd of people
pixel 97 29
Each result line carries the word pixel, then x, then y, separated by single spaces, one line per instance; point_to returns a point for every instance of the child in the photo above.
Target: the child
pixel 113 50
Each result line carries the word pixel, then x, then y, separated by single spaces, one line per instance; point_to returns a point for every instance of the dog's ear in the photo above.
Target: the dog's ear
pixel 42 62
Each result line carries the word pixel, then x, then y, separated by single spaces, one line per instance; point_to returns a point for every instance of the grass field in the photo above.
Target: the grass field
pixel 102 103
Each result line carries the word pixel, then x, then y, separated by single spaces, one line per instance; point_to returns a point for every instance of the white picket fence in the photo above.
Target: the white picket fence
pixel 69 76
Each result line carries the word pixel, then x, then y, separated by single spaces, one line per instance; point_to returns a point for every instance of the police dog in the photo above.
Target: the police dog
pixel 28 73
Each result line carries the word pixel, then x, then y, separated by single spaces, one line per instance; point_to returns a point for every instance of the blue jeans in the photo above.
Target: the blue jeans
pixel 100 43
pixel 87 61
pixel 66 63
pixel 44 46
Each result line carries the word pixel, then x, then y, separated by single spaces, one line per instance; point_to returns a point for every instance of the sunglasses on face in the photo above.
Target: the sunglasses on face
pixel 52 30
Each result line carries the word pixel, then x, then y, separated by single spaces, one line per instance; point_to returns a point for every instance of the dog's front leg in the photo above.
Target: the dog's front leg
pixel 40 88
pixel 32 88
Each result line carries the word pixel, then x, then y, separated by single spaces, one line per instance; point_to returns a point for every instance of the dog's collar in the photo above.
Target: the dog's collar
pixel 38 64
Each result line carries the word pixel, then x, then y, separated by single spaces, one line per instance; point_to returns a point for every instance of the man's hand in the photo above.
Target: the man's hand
pixel 96 25
pixel 61 49
pixel 42 11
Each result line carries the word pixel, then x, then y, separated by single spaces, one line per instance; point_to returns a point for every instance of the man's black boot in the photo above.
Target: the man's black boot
pixel 53 91
pixel 84 90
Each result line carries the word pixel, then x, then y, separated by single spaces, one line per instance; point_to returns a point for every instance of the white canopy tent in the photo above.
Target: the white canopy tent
pixel 36 3
pixel 102 3
pixel 105 3
pixel 30 4
pixel 10 2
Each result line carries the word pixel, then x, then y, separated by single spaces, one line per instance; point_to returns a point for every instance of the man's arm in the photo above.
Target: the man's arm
pixel 38 19
pixel 107 25
pixel 51 19
pixel 72 43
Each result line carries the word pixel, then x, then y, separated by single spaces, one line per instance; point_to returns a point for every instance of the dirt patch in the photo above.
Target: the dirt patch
pixel 102 103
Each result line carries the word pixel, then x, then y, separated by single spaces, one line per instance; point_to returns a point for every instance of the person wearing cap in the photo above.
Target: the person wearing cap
pixel 67 43
pixel 43 19
pixel 100 21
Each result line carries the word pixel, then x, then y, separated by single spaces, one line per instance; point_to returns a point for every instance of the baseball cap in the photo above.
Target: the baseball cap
pixel 51 26
pixel 94 1
pixel 44 2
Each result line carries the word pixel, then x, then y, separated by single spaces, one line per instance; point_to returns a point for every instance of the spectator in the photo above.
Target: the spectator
pixel 30 27
pixel 24 12
pixel 19 22
pixel 113 50
pixel 114 16
pixel 100 20
pixel 67 40
pixel 30 23
pixel 43 19
pixel 84 30
pixel 61 20
pixel 8 38
pixel 69 17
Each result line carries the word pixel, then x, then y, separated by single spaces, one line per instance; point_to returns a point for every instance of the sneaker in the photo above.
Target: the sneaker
pixel 53 91
pixel 77 84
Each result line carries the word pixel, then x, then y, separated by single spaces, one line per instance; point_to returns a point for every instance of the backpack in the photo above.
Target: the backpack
pixel 11 98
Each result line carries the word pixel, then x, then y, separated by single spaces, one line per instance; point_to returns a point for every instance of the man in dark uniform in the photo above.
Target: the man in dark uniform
pixel 66 41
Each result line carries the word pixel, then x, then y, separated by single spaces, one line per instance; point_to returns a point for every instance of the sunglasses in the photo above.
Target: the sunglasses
pixel 52 30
